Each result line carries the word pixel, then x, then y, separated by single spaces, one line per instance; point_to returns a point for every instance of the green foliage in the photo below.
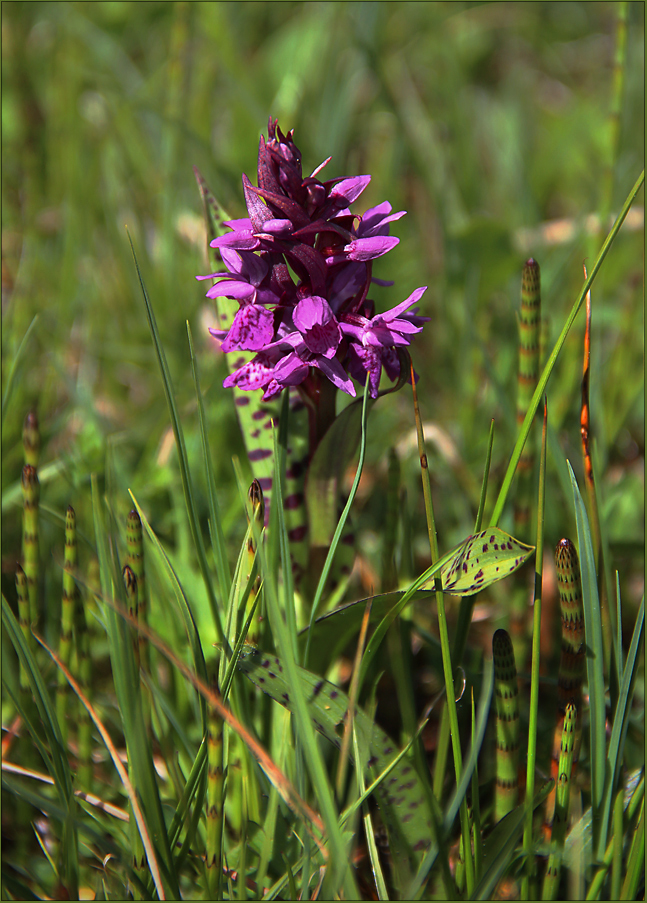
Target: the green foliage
pixel 503 129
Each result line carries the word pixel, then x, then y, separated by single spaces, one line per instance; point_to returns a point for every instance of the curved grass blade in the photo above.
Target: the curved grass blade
pixel 184 607
pixel 594 662
pixel 123 774
pixel 127 688
pixel 11 376
pixel 181 450
pixel 548 369
pixel 223 574
pixel 55 756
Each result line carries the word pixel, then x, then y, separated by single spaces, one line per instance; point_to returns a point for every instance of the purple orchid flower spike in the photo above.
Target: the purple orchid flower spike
pixel 319 329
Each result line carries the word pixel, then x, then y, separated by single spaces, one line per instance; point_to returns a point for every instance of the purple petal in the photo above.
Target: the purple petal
pixel 335 373
pixel 250 376
pixel 277 226
pixel 413 298
pixel 291 370
pixel 375 220
pixel 212 276
pixel 252 329
pixel 239 241
pixel 258 212
pixel 348 190
pixel 317 324
pixel 232 288
pixel 370 248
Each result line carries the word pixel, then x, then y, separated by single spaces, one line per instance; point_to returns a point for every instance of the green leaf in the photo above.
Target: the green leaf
pixel 481 560
pixel 402 804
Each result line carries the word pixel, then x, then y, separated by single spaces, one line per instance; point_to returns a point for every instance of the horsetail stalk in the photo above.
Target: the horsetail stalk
pixel 68 606
pixel 135 560
pixel 572 660
pixel 529 341
pixel 31 439
pixel 215 786
pixel 31 496
pixel 138 853
pixel 258 513
pixel 130 582
pixel 22 591
pixel 506 694
pixel 562 798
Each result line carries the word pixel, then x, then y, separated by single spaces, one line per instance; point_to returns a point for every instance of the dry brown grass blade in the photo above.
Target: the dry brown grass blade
pixel 123 774
pixel 275 775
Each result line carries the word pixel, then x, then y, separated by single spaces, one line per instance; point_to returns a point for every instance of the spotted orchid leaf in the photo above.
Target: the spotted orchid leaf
pixel 401 795
pixel 480 561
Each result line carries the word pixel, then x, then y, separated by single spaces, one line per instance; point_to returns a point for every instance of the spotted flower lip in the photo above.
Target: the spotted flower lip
pixel 300 267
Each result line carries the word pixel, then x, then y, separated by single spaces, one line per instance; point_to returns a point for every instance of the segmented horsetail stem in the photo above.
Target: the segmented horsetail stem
pixel 506 696
pixel 135 559
pixel 528 374
pixel 31 439
pixel 214 798
pixel 22 592
pixel 68 606
pixel 130 582
pixel 562 798
pixel 31 496
pixel 572 660
pixel 255 495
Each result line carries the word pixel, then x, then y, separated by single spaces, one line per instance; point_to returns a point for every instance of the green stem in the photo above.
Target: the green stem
pixel 68 606
pixel 31 495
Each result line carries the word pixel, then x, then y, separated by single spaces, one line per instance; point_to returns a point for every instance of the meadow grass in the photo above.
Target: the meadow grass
pixel 507 131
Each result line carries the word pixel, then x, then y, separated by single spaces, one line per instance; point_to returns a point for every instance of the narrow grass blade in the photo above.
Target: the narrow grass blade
pixel 181 451
pixel 30 545
pixel 548 369
pixel 621 720
pixel 15 364
pixel 223 574
pixel 340 525
pixel 594 658
pixel 184 607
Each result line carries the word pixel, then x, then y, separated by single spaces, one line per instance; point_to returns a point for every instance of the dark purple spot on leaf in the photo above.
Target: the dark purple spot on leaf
pixel 260 454
pixel 241 401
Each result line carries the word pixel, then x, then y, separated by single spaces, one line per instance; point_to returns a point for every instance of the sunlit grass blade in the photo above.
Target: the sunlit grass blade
pixel 444 639
pixel 594 662
pixel 123 775
pixel 223 575
pixel 548 369
pixel 636 860
pixel 339 874
pixel 340 525
pixel 183 605
pixel 621 720
pixel 181 451
pixel 127 688
pixel 53 751
pixel 500 846
pixel 535 660
pixel 15 365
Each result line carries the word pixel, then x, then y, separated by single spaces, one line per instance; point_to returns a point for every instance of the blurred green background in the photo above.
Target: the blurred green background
pixel 486 122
